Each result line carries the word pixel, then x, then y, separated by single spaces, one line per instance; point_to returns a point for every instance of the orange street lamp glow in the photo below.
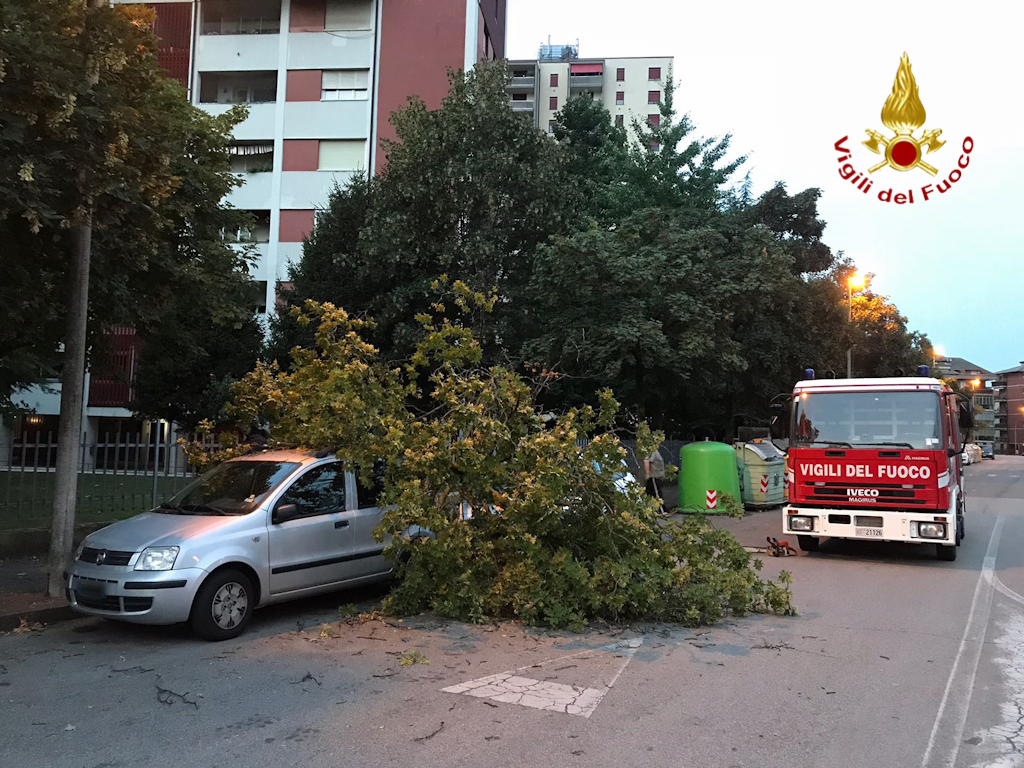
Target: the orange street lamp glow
pixel 976 383
pixel 856 281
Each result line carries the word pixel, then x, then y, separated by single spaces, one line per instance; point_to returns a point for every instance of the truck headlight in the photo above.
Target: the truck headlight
pixel 931 530
pixel 157 559
pixel 801 523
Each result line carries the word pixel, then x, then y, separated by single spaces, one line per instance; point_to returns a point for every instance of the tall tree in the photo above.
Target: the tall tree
pixel 470 190
pixel 80 89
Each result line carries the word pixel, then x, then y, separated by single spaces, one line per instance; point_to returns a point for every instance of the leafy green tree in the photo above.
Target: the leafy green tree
pixel 333 268
pixel 469 191
pixel 110 200
pixel 190 359
pixel 551 538
pixel 882 343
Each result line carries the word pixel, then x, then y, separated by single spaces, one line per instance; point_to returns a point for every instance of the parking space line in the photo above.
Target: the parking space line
pixel 512 688
pixel 950 720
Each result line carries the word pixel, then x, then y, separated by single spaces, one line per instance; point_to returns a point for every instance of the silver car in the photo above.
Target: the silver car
pixel 252 531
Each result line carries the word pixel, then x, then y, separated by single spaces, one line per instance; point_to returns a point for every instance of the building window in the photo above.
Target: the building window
pixel 554 79
pixel 620 97
pixel 553 103
pixel 519 97
pixel 551 126
pixel 654 73
pixel 342 155
pixel 655 146
pixel 344 85
pixel 348 15
pixel 618 121
pixel 230 17
pixel 620 74
pixel 237 87
pixel 255 231
pixel 259 290
pixel 654 120
pixel 252 156
pixel 653 97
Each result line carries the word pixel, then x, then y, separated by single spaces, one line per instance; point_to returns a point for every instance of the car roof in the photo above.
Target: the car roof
pixel 287 455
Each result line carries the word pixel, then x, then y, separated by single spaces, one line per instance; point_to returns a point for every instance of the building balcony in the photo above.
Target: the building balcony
pixel 236 53
pixel 254 194
pixel 523 81
pixel 522 106
pixel 589 82
pixel 256 127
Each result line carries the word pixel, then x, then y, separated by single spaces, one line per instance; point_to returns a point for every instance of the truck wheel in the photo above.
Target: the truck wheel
pixel 945 553
pixel 223 606
pixel 808 543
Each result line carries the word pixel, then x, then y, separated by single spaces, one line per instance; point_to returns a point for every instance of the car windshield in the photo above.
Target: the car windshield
pixel 233 488
pixel 867 420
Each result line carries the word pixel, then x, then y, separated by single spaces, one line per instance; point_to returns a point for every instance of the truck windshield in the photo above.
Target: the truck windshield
pixel 233 488
pixel 867 420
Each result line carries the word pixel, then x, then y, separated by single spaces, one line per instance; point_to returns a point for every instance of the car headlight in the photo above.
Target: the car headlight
pixel 801 523
pixel 931 530
pixel 157 559
pixel 78 552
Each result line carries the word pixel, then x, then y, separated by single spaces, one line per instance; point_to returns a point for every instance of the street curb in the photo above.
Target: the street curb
pixel 51 615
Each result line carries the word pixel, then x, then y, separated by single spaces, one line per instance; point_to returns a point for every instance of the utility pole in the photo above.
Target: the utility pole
pixel 72 379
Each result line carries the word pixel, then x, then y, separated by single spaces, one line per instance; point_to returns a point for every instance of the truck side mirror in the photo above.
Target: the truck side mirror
pixel 778 426
pixel 966 418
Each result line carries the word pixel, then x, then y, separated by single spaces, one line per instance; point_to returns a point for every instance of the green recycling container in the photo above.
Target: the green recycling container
pixel 706 471
pixel 762 469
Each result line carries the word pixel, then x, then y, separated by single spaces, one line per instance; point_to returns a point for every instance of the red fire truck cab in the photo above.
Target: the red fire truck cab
pixel 876 459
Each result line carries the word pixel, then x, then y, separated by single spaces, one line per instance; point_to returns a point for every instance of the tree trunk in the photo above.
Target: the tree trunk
pixel 72 382
pixel 72 400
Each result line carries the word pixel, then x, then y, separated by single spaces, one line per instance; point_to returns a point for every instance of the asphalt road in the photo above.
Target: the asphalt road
pixel 896 660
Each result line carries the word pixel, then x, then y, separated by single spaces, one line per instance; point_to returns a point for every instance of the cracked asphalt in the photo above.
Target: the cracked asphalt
pixel 896 660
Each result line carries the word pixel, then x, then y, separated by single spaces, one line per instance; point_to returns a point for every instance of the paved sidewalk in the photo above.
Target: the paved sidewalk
pixel 23 594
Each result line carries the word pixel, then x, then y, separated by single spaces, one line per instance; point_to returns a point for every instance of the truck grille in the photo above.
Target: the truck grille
pixel 900 495
pixel 109 556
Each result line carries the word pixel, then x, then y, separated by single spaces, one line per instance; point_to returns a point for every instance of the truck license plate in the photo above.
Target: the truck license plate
pixel 869 532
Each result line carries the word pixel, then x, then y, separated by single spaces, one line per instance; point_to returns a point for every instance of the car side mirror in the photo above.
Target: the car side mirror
pixel 283 513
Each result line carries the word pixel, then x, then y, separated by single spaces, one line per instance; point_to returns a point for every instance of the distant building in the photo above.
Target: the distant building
pixel 1009 396
pixel 978 381
pixel 630 88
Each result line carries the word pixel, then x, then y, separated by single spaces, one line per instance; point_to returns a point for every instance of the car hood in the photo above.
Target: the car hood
pixel 154 529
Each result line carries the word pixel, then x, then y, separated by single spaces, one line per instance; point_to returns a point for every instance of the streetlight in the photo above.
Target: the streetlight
pixel 1016 427
pixel 856 280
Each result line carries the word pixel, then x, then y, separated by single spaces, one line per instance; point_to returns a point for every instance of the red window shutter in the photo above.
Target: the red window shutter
pixel 553 103
pixel 620 74
pixel 654 73
pixel 653 97
pixel 554 79
pixel 654 120
pixel 620 97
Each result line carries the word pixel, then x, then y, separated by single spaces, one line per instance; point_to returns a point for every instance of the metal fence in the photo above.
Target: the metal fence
pixel 119 475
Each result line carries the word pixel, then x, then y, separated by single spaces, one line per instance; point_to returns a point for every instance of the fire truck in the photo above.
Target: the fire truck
pixel 877 460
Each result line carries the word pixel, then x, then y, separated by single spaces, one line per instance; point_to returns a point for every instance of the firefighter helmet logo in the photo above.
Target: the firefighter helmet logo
pixel 903 114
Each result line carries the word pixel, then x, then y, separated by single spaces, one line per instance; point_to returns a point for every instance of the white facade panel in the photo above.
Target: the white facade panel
pixel 288 253
pixel 327 120
pixel 258 126
pixel 258 268
pixel 326 50
pixel 255 194
pixel 236 53
pixel 309 189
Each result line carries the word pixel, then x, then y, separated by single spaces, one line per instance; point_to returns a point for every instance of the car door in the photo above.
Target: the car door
pixel 368 558
pixel 313 548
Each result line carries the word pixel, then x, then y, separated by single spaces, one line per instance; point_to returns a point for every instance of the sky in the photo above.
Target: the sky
pixel 788 79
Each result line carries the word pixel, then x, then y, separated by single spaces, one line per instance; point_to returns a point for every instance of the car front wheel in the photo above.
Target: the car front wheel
pixel 223 606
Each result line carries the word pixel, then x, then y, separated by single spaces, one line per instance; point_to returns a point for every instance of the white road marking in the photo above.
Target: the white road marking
pixel 947 732
pixel 996 747
pixel 511 688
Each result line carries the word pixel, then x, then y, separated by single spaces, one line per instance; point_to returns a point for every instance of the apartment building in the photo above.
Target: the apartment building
pixel 630 88
pixel 978 382
pixel 1009 402
pixel 320 79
